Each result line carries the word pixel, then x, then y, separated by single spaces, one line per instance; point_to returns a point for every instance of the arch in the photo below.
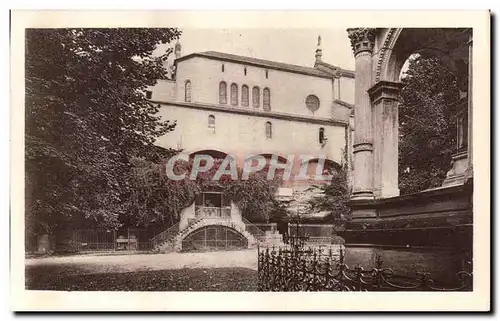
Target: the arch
pixel 234 94
pixel 214 237
pixel 384 54
pixel 266 99
pixel 244 95
pixel 256 97
pixel 211 152
pixel 268 156
pixel 400 43
pixel 222 92
pixel 329 163
pixel 187 91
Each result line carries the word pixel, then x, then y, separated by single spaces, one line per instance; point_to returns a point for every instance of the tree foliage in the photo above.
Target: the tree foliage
pixel 427 124
pixel 334 197
pixel 157 198
pixel 86 118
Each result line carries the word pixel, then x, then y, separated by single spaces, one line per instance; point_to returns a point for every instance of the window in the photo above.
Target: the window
pixel 234 95
pixel 256 97
pixel 312 103
pixel 187 91
pixel 222 68
pixel 321 137
pixel 149 94
pixel 211 121
pixel 267 74
pixel 244 95
pixel 245 71
pixel 266 99
pixel 222 93
pixel 269 130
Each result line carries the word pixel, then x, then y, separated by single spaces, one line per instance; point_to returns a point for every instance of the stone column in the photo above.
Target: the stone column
pixel 362 42
pixel 384 97
pixel 470 170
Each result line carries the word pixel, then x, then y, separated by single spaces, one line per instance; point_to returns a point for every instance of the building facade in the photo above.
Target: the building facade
pixel 226 104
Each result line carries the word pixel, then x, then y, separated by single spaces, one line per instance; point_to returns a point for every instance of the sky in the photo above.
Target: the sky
pixel 294 46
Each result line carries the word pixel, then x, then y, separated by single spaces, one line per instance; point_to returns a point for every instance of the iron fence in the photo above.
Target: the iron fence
pixel 295 268
pixel 99 240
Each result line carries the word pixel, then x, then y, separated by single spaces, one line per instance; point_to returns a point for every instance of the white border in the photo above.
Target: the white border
pixel 37 300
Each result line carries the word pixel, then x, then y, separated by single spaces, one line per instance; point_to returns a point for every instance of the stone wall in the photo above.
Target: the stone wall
pixel 442 264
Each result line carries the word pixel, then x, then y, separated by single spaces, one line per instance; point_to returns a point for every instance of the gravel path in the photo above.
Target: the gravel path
pixel 210 271
pixel 149 262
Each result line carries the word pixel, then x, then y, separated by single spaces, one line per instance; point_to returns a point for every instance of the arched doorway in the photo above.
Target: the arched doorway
pixel 215 154
pixel 214 238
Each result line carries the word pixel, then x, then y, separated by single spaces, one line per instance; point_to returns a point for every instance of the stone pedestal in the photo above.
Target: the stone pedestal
pixel 457 174
pixel 384 97
pixel 44 244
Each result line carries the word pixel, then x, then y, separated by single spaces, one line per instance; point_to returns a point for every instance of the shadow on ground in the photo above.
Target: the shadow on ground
pixel 58 278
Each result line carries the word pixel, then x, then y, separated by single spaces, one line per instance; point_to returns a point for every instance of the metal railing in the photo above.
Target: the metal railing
pixel 300 269
pixel 254 230
pixel 165 235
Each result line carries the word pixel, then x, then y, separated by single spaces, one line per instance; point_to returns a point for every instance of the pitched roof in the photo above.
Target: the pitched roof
pixel 259 63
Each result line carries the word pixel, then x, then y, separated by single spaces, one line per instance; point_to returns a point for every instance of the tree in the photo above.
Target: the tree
pixel 427 124
pixel 334 197
pixel 86 118
pixel 156 198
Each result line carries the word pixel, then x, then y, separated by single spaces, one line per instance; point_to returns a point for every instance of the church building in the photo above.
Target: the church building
pixel 226 104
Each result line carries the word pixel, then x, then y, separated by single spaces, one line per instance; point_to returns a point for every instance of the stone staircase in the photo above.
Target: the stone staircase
pixel 171 239
pixel 165 241
pixel 252 242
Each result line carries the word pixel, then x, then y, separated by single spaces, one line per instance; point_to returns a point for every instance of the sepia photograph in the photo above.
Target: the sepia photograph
pixel 201 159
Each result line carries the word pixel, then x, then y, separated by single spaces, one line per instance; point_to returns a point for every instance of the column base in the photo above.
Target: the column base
pixel 362 195
pixel 457 174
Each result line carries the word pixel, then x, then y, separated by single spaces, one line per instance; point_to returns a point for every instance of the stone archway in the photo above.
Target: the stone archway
pixel 379 56
pixel 214 238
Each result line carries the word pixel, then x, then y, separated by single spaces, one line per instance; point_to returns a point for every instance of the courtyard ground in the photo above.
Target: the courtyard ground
pixel 209 271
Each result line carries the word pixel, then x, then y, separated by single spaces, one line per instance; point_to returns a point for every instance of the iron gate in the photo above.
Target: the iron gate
pixel 214 238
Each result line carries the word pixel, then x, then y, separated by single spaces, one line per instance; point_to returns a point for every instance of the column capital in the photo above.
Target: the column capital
pixel 385 90
pixel 362 39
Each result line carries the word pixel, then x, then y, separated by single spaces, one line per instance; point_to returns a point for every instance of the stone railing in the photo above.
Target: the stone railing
pixel 213 212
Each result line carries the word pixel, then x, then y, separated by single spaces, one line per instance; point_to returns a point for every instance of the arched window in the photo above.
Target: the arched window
pixel 222 68
pixel 266 99
pixel 269 130
pixel 321 137
pixel 234 95
pixel 222 93
pixel 244 95
pixel 211 121
pixel 187 91
pixel 312 103
pixel 256 97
